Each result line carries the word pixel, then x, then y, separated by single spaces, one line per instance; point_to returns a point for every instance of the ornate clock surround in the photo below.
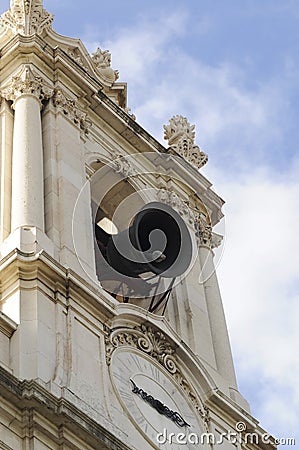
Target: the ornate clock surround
pixel 153 343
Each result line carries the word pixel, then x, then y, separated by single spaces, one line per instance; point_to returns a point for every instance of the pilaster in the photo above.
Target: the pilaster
pixel 27 91
pixel 220 339
pixel 6 127
pixel 65 126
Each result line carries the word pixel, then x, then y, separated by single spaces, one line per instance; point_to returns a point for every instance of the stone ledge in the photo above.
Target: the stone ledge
pixel 7 326
pixel 29 394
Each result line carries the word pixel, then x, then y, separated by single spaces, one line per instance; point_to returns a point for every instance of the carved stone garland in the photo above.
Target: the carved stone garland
pixel 71 109
pixel 203 230
pixel 154 344
pixel 26 17
pixel 180 135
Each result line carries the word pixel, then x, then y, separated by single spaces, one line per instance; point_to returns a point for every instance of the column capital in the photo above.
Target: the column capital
pixel 207 237
pixel 27 83
pixel 204 233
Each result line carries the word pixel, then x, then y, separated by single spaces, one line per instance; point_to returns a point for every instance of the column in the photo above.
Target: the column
pixel 27 92
pixel 6 126
pixel 217 320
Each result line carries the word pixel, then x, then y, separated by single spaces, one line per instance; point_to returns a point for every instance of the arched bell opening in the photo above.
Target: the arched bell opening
pixel 141 245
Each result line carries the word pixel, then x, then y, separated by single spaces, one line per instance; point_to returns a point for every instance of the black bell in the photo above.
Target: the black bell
pixel 157 241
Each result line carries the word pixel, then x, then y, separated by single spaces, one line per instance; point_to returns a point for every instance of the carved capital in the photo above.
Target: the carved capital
pixel 155 344
pixel 27 83
pixel 70 108
pixel 26 17
pixel 180 135
pixel 190 215
pixel 204 233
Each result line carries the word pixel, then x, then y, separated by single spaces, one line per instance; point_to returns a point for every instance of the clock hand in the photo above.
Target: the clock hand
pixel 159 406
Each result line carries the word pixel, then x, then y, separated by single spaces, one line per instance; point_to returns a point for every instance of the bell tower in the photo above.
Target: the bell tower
pixel 112 330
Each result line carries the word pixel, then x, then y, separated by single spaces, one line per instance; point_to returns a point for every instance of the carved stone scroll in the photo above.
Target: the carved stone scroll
pixel 155 344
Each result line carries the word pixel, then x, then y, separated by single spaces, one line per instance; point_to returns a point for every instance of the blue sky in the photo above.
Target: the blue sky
pixel 252 48
pixel 232 68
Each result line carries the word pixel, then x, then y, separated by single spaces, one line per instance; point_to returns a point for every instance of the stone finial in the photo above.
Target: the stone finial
pixel 27 83
pixel 181 135
pixel 26 17
pixel 102 62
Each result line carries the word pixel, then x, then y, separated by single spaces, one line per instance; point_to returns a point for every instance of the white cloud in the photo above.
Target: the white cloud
pixel 164 80
pixel 259 270
pixel 259 280
pixel 137 51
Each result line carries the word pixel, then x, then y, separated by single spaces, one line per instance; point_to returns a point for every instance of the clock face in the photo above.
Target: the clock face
pixel 153 401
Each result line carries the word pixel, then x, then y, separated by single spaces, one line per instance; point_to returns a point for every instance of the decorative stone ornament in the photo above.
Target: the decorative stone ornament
pixel 27 83
pixel 77 56
pixel 193 216
pixel 154 344
pixel 180 135
pixel 71 109
pixel 26 17
pixel 102 62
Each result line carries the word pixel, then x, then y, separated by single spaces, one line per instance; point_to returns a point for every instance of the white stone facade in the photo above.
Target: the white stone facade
pixel 64 340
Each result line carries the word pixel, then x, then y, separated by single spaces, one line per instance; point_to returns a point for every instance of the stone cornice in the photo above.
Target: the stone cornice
pixel 30 394
pixel 63 282
pixel 131 126
pixel 221 402
pixel 7 326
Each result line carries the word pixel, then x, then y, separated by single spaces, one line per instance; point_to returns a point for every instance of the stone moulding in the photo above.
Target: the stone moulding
pixel 7 325
pixel 32 395
pixel 180 135
pixel 154 344
pixel 26 17
pixel 71 109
